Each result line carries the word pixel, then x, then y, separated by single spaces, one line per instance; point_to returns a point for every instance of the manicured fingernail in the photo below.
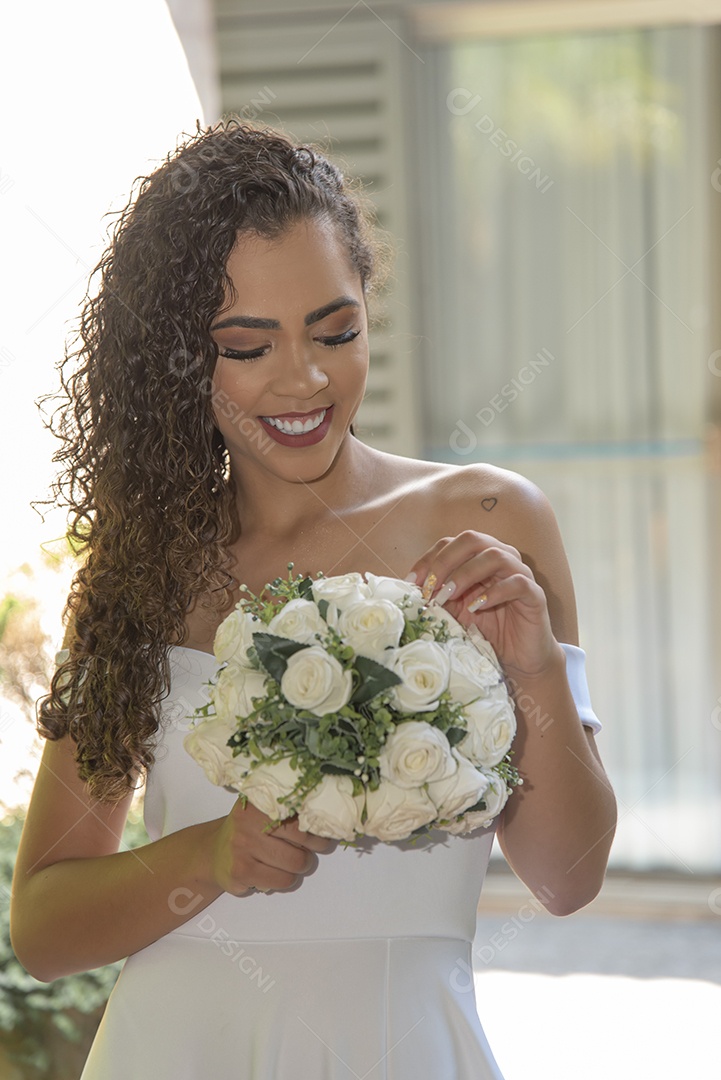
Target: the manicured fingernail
pixel 446 592
pixel 412 577
pixel 478 602
pixel 429 585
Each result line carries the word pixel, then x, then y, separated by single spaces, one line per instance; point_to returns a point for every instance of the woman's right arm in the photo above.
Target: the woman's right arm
pixel 79 903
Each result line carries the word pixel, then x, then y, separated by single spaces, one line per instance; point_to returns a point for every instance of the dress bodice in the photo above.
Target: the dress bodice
pixel 354 891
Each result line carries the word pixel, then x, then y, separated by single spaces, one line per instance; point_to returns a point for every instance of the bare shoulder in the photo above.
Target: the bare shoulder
pixel 499 499
pixel 485 496
pixel 512 509
pixel 479 492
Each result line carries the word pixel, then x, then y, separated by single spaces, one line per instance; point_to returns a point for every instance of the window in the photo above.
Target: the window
pixel 565 305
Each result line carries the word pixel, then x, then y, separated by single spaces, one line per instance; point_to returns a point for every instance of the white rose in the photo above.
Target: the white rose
pixel 234 637
pixel 395 812
pixel 331 809
pixel 233 693
pixel 469 666
pixel 464 690
pixel 236 770
pixel 343 590
pixel 371 626
pixel 299 620
pixel 491 728
pixel 395 590
pixel 416 753
pixel 424 668
pixel 266 783
pixel 460 790
pixel 484 647
pixel 495 797
pixel 316 681
pixel 207 743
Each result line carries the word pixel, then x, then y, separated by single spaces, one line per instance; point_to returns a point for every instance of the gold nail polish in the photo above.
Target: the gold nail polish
pixel 429 585
pixel 478 602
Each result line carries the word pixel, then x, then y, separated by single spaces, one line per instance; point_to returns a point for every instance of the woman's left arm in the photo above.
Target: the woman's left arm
pixel 557 827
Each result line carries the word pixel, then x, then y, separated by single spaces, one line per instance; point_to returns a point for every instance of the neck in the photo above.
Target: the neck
pixel 278 506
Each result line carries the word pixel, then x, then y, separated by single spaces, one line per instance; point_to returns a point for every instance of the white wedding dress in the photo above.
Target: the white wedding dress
pixel 364 971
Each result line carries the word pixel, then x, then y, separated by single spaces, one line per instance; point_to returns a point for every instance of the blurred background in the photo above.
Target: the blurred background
pixel 551 175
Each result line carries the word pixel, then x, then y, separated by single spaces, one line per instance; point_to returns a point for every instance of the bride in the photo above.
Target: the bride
pixel 207 442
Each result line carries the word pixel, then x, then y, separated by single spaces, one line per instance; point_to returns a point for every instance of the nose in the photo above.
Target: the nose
pixel 298 373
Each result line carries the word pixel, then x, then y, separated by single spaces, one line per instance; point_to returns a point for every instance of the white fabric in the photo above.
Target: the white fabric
pixel 364 970
pixel 576 675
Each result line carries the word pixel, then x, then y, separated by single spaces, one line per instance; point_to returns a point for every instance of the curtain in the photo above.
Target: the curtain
pixel 565 240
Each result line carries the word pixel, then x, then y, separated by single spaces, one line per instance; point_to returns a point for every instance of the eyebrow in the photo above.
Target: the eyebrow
pixel 256 323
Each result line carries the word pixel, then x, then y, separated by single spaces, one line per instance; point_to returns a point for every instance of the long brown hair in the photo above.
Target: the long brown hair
pixel 145 474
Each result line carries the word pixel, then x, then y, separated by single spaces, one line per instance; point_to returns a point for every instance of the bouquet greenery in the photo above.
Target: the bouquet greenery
pixel 351 703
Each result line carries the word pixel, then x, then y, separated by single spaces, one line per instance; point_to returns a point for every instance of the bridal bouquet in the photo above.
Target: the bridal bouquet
pixel 351 703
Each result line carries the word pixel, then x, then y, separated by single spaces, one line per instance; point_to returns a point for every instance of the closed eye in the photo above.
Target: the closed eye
pixel 256 354
pixel 334 342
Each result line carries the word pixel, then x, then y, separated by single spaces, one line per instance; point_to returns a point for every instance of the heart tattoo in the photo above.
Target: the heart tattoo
pixel 488 504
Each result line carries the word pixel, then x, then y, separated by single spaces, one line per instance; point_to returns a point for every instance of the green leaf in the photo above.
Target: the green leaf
pixel 455 735
pixel 274 653
pixel 374 678
pixel 323 606
pixel 328 768
pixel 312 739
pixel 305 589
pixel 478 806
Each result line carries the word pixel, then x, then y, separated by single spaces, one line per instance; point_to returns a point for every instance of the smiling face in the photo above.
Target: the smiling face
pixel 293 353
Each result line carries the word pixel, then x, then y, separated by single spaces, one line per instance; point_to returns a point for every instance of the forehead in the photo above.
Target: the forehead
pixel 308 257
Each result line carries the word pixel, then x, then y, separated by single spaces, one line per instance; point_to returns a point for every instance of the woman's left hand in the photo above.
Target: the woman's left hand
pixel 513 617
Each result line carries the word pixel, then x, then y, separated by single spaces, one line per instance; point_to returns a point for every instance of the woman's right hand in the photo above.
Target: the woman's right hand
pixel 246 856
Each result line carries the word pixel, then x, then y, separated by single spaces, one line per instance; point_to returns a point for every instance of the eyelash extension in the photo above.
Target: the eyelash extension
pixel 334 343
pixel 256 354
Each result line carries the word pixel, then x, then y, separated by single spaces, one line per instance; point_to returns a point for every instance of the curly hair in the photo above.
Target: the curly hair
pixel 145 471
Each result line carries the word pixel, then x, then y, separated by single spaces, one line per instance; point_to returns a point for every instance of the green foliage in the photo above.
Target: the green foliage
pixel 373 679
pixel 274 653
pixel 8 605
pixel 279 589
pixel 30 1009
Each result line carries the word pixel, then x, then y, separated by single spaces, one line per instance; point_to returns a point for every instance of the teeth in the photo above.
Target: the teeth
pixel 296 427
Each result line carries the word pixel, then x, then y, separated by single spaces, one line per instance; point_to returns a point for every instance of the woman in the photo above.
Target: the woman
pixel 209 442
